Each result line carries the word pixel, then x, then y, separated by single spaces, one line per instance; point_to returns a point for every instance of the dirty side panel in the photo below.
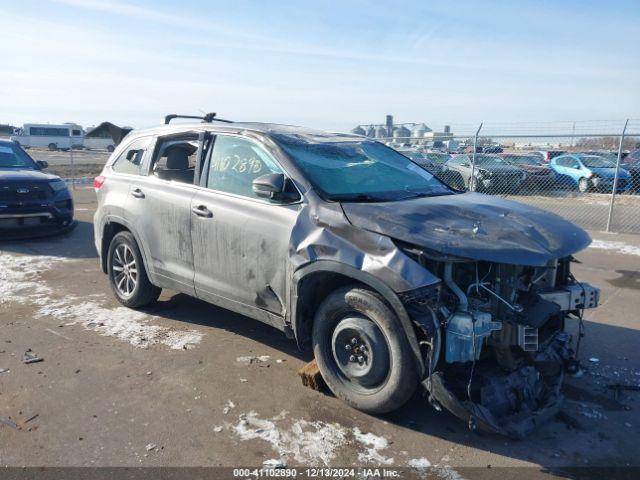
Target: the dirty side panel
pixel 162 219
pixel 241 251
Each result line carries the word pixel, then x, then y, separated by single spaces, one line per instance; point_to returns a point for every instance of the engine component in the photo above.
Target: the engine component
pixel 466 333
pixel 528 338
pixel 574 297
pixel 515 392
pixel 514 403
pixel 536 311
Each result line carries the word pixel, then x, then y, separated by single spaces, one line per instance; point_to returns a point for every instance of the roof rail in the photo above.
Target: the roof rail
pixel 207 118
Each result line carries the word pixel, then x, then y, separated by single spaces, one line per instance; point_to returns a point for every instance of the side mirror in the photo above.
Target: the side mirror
pixel 274 186
pixel 131 154
pixel 42 164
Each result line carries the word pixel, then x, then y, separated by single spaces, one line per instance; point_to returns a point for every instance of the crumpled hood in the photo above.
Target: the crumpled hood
pixel 474 226
pixel 25 175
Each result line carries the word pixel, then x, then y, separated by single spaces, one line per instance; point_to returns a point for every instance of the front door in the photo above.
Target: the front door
pixel 240 241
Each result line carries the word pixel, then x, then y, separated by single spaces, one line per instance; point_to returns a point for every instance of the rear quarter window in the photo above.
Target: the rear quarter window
pixel 130 160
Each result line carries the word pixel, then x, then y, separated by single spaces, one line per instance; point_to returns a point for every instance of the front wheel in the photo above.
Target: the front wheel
pixel 53 147
pixel 127 274
pixel 362 351
pixel 583 185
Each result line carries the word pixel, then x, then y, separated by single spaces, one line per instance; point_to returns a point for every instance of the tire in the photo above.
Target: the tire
pixel 110 148
pixel 53 147
pixel 347 320
pixel 476 188
pixel 584 185
pixel 134 290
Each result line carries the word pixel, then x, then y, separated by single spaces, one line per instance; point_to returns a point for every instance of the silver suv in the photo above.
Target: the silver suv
pixel 347 246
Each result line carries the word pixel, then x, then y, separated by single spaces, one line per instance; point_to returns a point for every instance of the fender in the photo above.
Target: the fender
pixel 363 277
pixel 143 249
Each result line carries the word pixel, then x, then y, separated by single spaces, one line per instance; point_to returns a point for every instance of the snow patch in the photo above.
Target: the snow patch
pixel 619 247
pixel 419 463
pixel 20 282
pixel 373 444
pixel 19 275
pixel 310 442
pixel 249 359
pixel 307 442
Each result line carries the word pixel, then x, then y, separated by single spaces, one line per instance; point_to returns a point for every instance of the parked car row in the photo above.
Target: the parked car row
pixel 531 171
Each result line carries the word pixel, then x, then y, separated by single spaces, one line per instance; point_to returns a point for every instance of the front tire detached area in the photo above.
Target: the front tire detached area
pixel 362 351
pixel 127 274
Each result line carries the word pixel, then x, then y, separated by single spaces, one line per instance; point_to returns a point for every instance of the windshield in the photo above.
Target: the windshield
pixel 360 170
pixel 523 160
pixel 592 161
pixel 12 156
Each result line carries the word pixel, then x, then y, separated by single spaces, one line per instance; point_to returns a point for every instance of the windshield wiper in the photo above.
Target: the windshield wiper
pixel 358 197
pixel 427 194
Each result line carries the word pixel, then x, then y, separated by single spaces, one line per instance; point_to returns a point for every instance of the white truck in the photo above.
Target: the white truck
pixel 46 135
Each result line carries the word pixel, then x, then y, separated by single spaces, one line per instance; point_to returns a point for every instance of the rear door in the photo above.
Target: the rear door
pixel 240 242
pixel 125 169
pixel 159 203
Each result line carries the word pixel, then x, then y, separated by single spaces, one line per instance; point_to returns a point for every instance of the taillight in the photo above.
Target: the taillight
pixel 98 182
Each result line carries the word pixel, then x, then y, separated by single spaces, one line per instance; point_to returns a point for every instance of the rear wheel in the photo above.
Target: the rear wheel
pixel 110 148
pixel 127 274
pixel 52 146
pixel 362 351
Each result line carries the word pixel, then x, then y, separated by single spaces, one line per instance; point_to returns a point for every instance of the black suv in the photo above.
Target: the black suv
pixel 30 198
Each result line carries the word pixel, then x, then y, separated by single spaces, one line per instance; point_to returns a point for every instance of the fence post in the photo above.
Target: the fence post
pixel 472 180
pixel 73 167
pixel 615 178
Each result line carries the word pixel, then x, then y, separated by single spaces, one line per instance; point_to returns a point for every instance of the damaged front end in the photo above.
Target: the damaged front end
pixel 494 340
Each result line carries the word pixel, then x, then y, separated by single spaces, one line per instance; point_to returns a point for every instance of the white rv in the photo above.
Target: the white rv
pixel 53 137
pixel 98 138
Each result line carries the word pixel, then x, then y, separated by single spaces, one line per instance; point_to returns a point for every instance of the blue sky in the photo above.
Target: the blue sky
pixel 321 64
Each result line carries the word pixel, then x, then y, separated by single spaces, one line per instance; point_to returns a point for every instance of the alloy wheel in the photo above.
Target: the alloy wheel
pixel 125 270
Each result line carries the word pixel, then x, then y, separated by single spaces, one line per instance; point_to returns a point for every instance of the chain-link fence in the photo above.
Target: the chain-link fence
pixel 569 168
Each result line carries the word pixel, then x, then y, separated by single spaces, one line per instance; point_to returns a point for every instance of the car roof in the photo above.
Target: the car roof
pixel 302 134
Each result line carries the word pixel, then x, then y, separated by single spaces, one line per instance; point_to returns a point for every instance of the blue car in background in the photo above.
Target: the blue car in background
pixel 588 172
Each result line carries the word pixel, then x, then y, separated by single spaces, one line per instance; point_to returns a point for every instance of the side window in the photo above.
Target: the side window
pixel 235 163
pixel 129 161
pixel 175 158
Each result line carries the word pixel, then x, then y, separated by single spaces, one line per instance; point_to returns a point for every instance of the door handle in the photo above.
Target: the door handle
pixel 136 192
pixel 202 211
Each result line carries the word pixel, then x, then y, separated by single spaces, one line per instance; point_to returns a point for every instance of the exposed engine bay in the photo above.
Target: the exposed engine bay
pixel 494 341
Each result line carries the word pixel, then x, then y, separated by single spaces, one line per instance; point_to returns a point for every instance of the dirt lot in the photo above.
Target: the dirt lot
pixel 172 386
pixel 86 163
